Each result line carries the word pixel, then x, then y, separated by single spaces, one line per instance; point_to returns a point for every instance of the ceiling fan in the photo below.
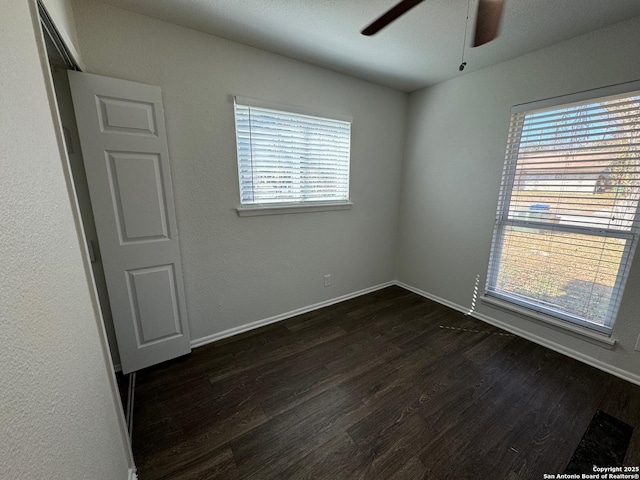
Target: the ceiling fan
pixel 487 19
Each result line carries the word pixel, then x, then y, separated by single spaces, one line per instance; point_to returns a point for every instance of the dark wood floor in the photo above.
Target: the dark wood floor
pixel 385 386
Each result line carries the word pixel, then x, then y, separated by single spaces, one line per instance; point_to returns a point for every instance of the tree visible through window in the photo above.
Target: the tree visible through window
pixel 567 220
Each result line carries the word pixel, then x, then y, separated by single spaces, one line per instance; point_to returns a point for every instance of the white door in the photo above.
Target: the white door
pixel 124 145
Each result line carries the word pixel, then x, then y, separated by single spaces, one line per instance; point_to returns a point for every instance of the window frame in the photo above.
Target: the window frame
pixel 286 207
pixel 503 222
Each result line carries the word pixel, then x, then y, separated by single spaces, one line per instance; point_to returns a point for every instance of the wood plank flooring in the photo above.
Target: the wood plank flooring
pixel 384 386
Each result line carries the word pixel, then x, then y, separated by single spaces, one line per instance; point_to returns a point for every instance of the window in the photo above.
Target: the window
pixel 287 158
pixel 567 220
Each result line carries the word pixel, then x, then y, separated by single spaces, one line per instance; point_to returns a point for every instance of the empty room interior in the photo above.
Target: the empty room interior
pixel 308 239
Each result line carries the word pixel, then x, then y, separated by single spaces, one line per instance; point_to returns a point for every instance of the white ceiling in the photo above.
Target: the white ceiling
pixel 421 48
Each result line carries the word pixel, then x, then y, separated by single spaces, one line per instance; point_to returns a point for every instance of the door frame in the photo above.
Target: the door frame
pixel 44 25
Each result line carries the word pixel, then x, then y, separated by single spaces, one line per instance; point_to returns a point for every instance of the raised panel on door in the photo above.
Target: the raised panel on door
pixel 158 320
pixel 119 115
pixel 123 138
pixel 136 183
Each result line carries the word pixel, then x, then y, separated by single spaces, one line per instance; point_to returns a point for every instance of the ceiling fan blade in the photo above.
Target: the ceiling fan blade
pixel 488 21
pixel 400 9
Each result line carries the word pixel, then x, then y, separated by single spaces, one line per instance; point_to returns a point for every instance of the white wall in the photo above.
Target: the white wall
pixel 58 414
pixel 455 146
pixel 239 270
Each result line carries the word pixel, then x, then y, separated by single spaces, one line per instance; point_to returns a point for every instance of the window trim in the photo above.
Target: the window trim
pixel 597 338
pixel 311 112
pixel 282 208
pixel 275 208
pixel 539 313
pixel 577 97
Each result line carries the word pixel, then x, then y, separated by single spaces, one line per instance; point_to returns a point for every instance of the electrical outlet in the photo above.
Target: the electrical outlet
pixel 638 344
pixel 327 280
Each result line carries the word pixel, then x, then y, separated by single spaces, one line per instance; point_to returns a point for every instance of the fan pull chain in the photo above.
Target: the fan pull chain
pixel 464 42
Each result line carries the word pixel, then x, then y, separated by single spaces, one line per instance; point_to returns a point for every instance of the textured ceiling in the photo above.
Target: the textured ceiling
pixel 421 48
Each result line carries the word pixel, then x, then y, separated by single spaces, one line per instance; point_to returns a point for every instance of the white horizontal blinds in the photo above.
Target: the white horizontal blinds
pixel 569 275
pixel 568 209
pixel 580 161
pixel 291 158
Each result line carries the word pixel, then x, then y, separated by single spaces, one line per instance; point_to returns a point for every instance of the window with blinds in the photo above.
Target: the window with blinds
pixel 290 158
pixel 567 221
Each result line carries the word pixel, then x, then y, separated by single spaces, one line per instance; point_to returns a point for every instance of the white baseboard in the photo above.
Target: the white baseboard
pixel 199 342
pixel 605 367
pixel 132 474
pixel 618 372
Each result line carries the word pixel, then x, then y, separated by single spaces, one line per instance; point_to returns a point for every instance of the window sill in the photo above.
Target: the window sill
pixel 252 211
pixel 599 339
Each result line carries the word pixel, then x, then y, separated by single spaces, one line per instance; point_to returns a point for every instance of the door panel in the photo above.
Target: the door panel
pixel 136 183
pixel 159 319
pixel 123 139
pixel 118 115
